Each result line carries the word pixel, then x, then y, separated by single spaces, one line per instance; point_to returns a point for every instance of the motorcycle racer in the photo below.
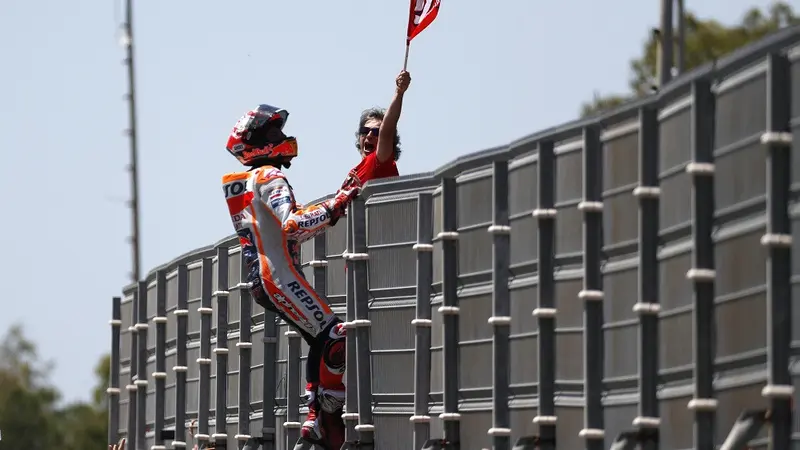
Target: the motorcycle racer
pixel 271 224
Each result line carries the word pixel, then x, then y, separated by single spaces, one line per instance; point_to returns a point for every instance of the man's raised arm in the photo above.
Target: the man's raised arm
pixel 389 124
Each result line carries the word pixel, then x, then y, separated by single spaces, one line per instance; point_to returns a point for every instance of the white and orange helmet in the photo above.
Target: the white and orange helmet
pixel 258 137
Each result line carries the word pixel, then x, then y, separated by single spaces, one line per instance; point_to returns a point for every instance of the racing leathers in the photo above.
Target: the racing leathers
pixel 271 225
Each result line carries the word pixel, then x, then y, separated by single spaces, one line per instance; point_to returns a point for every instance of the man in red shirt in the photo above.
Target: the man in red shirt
pixel 379 145
pixel 377 139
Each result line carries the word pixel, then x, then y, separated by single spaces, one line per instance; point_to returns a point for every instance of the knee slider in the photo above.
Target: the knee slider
pixel 334 355
pixel 331 401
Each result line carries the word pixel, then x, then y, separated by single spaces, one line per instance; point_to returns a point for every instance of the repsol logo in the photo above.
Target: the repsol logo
pixel 309 223
pixel 234 188
pixel 281 300
pixel 307 301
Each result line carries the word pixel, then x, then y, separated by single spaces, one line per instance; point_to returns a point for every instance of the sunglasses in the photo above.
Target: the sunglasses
pixel 369 131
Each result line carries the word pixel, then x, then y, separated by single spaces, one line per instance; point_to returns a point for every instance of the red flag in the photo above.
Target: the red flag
pixel 420 17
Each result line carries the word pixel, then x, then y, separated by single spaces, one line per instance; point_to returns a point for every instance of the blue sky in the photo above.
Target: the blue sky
pixel 482 76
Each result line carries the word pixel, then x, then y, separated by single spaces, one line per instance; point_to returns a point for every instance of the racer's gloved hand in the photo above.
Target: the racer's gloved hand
pixel 351 180
pixel 310 396
pixel 337 206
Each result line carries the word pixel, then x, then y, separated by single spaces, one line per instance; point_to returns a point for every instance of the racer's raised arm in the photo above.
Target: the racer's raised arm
pixel 303 223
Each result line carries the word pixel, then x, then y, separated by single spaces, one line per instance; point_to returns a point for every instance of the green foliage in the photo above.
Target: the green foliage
pixel 602 103
pixel 103 373
pixel 82 426
pixel 706 40
pixel 26 415
pixel 27 403
pixel 29 416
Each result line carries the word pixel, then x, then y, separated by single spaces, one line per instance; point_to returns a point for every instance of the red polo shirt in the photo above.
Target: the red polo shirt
pixel 370 168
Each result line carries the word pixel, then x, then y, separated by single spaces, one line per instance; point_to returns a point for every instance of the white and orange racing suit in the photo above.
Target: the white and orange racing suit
pixel 271 225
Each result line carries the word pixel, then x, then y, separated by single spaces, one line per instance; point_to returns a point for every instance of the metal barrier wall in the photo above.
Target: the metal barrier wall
pixel 626 272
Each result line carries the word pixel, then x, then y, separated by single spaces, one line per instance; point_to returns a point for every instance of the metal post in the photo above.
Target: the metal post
pixel 141 372
pixel 450 311
pixel 681 36
pixel 269 380
pixel 422 323
pixel 320 265
pixel 350 415
pixel 702 274
pixel 778 239
pixel 667 44
pixel 182 315
pixel 221 350
pixel 160 375
pixel 546 310
pixel 245 346
pixel 204 361
pixel 133 365
pixel 592 294
pixel 365 427
pixel 113 378
pixel 501 308
pixel 648 306
pixel 293 424
pixel 135 238
pixel 127 41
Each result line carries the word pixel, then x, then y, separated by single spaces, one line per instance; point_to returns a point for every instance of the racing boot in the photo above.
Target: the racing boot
pixel 311 431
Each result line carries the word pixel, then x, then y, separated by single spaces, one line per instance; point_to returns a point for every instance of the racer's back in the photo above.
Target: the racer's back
pixel 270 228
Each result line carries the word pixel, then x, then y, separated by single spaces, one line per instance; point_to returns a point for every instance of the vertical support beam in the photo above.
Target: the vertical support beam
pixel 141 372
pixel 545 313
pixel 501 308
pixel 319 265
pixel 350 415
pixel 648 306
pixel 269 381
pixel 292 424
pixel 778 239
pixel 592 294
pixel 667 44
pixel 113 376
pixel 182 316
pixel 182 367
pixel 160 375
pixel 422 323
pixel 204 361
pixel 133 365
pixel 245 346
pixel 365 427
pixel 680 36
pixel 702 274
pixel 450 312
pixel 221 349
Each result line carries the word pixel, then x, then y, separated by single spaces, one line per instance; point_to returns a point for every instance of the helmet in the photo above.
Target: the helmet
pixel 258 137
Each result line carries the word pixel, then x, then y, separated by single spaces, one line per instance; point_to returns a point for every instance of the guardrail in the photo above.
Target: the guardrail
pixel 620 280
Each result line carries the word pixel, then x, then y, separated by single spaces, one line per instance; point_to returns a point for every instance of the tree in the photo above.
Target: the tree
pixel 27 402
pixel 84 425
pixel 29 417
pixel 103 373
pixel 705 41
pixel 602 103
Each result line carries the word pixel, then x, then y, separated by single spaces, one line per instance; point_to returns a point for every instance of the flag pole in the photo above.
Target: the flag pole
pixel 405 61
